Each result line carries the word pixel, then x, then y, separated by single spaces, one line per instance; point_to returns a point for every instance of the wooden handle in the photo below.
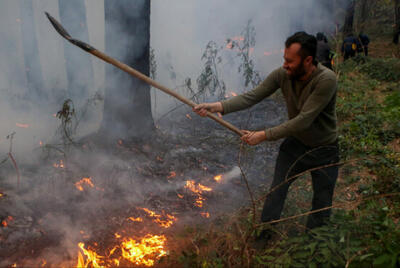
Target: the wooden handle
pixel 153 83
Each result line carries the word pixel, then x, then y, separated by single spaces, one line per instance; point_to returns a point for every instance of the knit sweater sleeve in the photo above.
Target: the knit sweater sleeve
pixel 265 89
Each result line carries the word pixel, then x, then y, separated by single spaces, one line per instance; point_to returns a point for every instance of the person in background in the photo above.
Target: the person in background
pixel 323 51
pixel 310 134
pixel 350 46
pixel 364 41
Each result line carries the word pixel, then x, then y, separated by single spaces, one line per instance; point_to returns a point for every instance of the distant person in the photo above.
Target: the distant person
pixel 323 51
pixel 364 41
pixel 350 46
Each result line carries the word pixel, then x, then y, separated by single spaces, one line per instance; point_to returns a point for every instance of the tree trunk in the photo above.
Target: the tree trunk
pixel 349 18
pixel 363 5
pixel 33 68
pixel 78 63
pixel 127 104
pixel 396 31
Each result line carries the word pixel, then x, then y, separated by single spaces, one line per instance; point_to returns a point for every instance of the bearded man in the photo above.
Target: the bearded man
pixel 310 134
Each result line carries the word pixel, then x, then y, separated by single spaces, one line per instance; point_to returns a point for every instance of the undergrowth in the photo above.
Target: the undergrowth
pixel 363 230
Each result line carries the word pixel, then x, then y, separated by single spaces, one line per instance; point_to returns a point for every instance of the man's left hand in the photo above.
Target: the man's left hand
pixel 253 137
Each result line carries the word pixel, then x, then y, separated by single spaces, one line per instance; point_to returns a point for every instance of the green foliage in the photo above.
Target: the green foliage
pixel 382 69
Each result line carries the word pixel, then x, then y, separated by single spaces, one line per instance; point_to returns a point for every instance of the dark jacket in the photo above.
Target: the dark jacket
pixel 350 44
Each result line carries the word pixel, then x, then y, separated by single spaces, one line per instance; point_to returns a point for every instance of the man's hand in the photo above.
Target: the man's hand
pixel 253 137
pixel 213 107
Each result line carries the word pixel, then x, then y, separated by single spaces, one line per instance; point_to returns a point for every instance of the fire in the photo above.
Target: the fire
pixel 7 221
pixel 138 219
pixel 198 190
pixel 205 214
pixel 22 125
pixel 218 178
pixel 171 175
pixel 166 222
pixel 84 181
pixel 145 252
pixel 180 196
pixel 59 165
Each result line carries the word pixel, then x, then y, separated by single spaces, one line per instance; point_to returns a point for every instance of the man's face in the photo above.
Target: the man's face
pixel 293 63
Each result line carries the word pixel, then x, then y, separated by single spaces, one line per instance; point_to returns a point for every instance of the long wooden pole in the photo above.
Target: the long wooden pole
pixel 60 29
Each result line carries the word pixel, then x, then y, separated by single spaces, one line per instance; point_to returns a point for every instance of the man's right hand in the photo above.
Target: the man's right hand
pixel 213 107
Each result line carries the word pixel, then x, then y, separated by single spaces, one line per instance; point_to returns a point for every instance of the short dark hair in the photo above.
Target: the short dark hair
pixel 308 44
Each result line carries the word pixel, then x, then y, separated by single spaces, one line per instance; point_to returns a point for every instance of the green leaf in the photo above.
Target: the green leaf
pixel 383 259
pixel 363 257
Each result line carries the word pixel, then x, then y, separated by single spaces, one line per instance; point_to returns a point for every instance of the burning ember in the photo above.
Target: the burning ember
pixel 59 165
pixel 205 214
pixel 198 190
pixel 5 222
pixel 144 252
pixel 138 219
pixel 218 178
pixel 164 220
pixel 84 181
pixel 22 125
pixel 171 175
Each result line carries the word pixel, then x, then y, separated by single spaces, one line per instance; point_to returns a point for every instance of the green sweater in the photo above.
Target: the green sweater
pixel 310 105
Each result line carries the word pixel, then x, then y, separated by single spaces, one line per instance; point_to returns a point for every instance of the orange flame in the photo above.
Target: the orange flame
pixel 145 252
pixel 7 221
pixel 166 222
pixel 91 258
pixel 218 178
pixel 205 214
pixel 138 219
pixel 180 196
pixel 84 181
pixel 198 190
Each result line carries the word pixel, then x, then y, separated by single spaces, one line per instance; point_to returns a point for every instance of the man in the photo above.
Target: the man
pixel 310 133
pixel 350 46
pixel 323 51
pixel 364 40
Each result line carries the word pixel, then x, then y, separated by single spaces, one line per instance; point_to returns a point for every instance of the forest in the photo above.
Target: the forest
pixel 104 163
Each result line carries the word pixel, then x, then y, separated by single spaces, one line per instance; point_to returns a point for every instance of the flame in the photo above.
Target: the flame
pixel 180 196
pixel 84 181
pixel 44 262
pixel 166 222
pixel 198 190
pixel 145 252
pixel 91 258
pixel 7 221
pixel 171 175
pixel 59 165
pixel 138 219
pixel 218 178
pixel 205 214
pixel 14 265
pixel 117 235
pixel 22 125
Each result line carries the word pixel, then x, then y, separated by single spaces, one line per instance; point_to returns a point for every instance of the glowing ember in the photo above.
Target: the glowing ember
pixel 7 221
pixel 22 125
pixel 145 252
pixel 218 178
pixel 138 219
pixel 164 220
pixel 59 165
pixel 205 214
pixel 85 181
pixel 171 175
pixel 198 190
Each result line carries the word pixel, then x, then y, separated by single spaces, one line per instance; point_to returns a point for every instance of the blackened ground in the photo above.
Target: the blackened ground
pixel 49 215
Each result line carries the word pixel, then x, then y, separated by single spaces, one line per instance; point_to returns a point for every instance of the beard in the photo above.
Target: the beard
pixel 298 72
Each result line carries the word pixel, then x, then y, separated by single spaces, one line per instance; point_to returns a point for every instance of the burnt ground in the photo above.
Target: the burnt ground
pixel 44 219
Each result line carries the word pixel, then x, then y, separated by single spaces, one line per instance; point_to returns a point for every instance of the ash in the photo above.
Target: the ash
pixel 44 219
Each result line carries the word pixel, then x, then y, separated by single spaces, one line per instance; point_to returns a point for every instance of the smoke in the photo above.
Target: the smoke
pixel 180 30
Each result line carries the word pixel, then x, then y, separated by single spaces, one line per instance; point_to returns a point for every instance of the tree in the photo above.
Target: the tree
pixel 349 18
pixel 396 31
pixel 33 67
pixel 73 18
pixel 127 103
pixel 363 6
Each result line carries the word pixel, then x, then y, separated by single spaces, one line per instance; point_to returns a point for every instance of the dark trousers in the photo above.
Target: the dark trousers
pixel 294 158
